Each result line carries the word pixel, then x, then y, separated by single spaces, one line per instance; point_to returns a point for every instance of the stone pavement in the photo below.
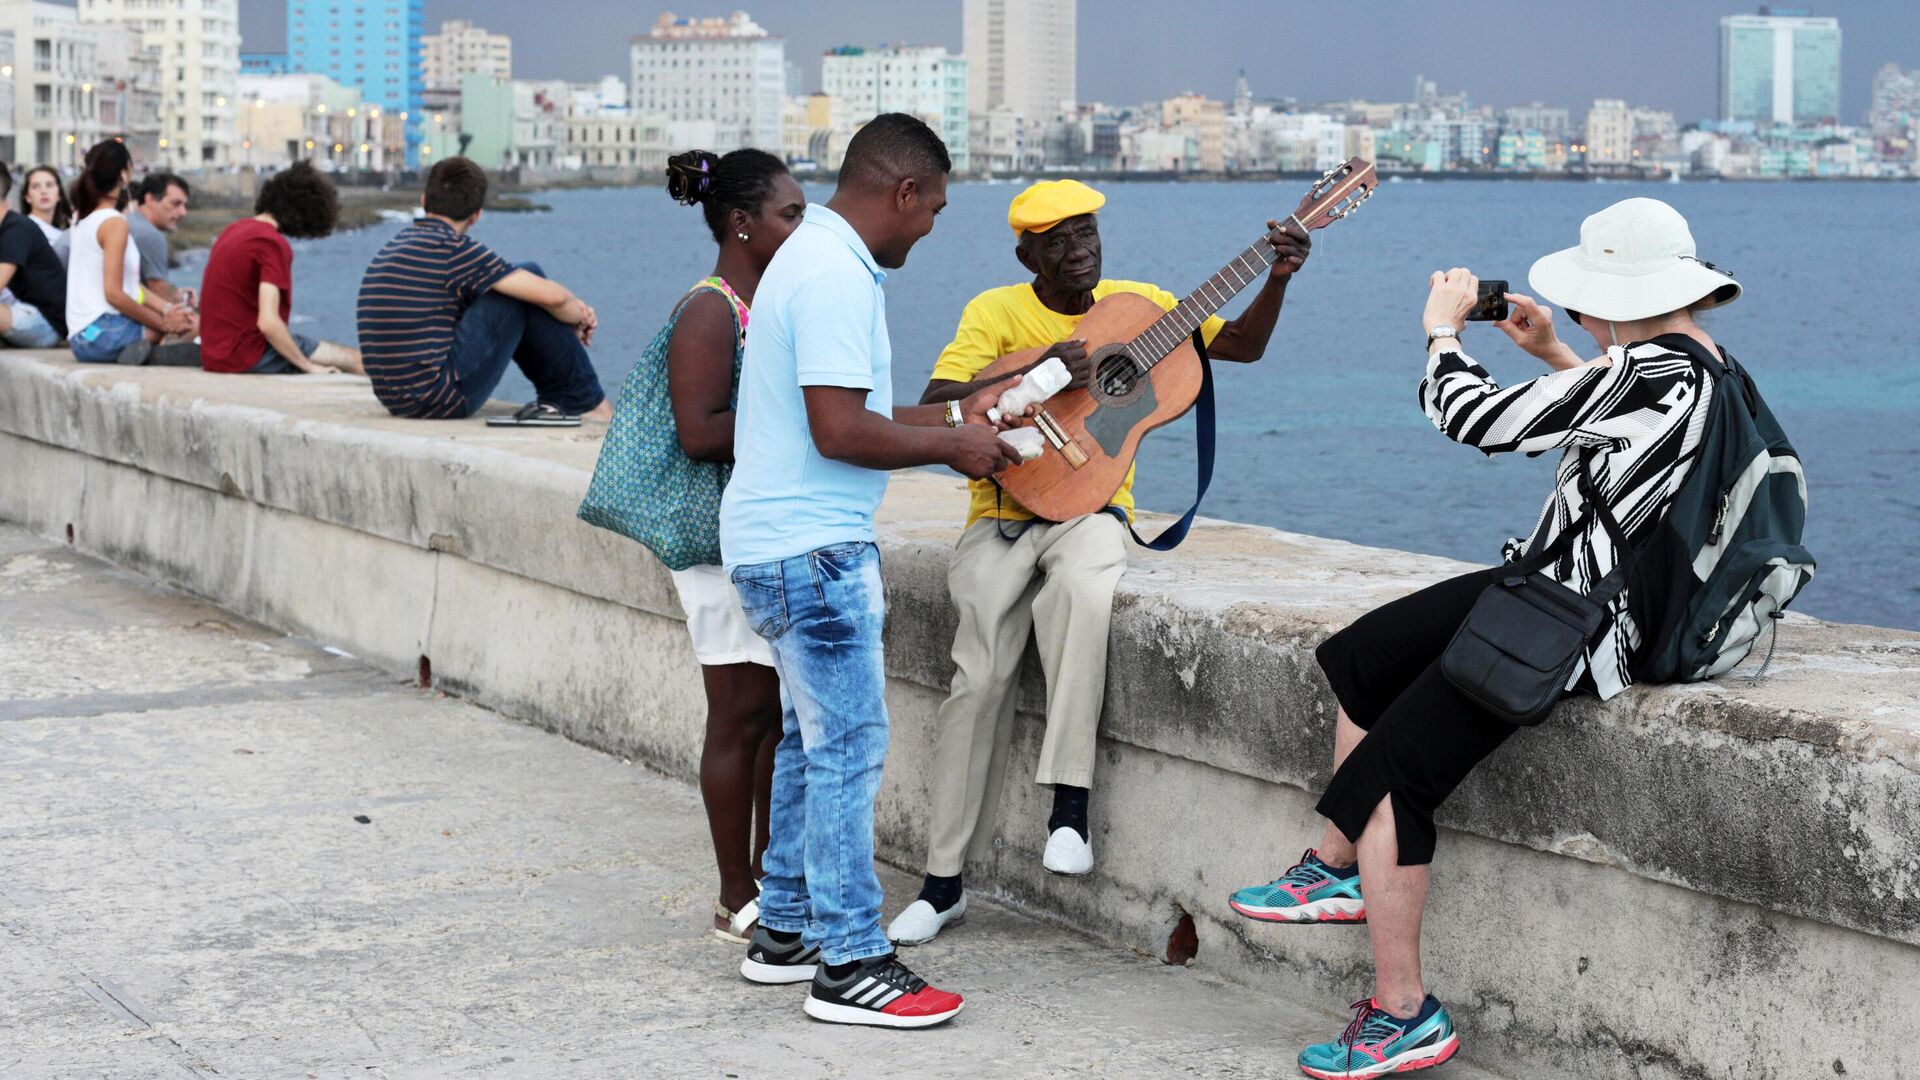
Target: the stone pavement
pixel 224 852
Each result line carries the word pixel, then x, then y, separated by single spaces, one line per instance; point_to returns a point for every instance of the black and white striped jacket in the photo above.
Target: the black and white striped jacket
pixel 1637 422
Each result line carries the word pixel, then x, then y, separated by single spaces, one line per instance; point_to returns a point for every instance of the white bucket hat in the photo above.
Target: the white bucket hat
pixel 1635 261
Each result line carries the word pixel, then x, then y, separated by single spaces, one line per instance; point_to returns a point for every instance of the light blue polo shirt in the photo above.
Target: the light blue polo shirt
pixel 819 319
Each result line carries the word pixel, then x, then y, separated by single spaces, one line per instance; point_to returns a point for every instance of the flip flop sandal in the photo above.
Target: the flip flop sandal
pixel 535 414
pixel 739 924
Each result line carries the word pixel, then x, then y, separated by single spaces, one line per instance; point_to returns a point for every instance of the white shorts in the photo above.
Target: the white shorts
pixel 721 634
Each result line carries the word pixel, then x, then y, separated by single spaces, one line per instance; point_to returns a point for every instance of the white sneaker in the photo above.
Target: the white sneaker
pixel 920 924
pixel 1067 853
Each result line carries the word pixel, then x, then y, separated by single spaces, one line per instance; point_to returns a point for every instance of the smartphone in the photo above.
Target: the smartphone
pixel 1492 305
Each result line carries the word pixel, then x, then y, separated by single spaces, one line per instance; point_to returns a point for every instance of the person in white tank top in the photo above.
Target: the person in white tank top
pixel 109 316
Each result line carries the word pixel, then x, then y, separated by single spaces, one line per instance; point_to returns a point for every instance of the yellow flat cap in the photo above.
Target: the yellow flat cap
pixel 1050 202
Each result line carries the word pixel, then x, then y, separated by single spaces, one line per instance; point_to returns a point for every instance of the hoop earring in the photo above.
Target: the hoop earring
pixel 743 237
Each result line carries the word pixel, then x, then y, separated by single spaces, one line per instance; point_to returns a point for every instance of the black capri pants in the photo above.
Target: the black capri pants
pixel 1423 735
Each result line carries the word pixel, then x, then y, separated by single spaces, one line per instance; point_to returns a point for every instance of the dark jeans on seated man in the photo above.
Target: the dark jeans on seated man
pixel 498 329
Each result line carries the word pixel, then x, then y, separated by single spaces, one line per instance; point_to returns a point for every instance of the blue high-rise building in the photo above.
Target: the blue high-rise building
pixel 265 63
pixel 370 45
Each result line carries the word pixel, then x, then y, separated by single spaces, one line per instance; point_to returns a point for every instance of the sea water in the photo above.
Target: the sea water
pixel 1325 434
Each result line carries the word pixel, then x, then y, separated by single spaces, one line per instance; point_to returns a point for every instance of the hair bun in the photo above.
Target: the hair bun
pixel 690 176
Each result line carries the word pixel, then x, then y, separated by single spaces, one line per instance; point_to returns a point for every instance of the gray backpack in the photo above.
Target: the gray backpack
pixel 1722 567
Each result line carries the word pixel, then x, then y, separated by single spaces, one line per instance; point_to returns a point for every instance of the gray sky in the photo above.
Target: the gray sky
pixel 1662 53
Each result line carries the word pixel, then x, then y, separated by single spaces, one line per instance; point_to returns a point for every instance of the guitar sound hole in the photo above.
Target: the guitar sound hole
pixel 1118 375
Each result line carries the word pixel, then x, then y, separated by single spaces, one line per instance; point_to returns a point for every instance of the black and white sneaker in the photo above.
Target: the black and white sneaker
pixel 773 963
pixel 883 993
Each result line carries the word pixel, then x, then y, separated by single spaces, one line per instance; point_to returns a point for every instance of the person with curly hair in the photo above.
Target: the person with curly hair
pixel 247 293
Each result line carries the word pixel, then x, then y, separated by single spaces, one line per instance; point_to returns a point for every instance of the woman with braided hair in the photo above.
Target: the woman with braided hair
pixel 751 204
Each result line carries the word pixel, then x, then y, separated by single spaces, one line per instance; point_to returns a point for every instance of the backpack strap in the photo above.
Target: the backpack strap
pixel 1616 579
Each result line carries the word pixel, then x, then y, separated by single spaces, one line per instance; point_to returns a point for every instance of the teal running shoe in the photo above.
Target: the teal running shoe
pixel 1309 892
pixel 1378 1043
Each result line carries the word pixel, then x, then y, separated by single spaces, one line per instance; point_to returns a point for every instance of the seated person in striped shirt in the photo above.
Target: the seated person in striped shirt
pixel 440 316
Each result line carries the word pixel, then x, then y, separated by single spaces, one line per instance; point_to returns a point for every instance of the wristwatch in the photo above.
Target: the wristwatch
pixel 1438 331
pixel 955 418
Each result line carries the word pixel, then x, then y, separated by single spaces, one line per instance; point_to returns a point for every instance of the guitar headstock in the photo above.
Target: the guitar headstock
pixel 1337 194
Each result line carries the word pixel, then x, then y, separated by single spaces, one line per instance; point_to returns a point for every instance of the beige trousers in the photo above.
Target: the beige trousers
pixel 1056 580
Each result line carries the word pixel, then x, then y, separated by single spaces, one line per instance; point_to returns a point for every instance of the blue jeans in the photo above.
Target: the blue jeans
pixel 100 341
pixel 272 363
pixel 823 613
pixel 31 330
pixel 498 328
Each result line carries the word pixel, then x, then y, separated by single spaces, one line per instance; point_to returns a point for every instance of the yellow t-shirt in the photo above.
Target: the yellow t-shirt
pixel 1009 319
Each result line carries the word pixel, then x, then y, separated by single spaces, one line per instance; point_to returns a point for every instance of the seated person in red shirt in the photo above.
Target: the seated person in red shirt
pixel 246 296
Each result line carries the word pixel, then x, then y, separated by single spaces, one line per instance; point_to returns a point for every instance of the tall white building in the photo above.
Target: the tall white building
pixel 461 49
pixel 129 92
pixel 1609 132
pixel 199 54
pixel 923 80
pixel 8 98
pixel 1022 56
pixel 56 70
pixel 728 71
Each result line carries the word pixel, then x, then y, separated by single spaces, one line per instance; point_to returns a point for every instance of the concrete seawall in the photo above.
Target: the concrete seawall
pixel 1705 881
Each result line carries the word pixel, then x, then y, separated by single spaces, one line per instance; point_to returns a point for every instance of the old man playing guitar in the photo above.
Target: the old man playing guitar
pixel 1052 575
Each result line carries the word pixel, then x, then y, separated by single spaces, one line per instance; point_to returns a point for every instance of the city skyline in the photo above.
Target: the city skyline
pixel 1675 69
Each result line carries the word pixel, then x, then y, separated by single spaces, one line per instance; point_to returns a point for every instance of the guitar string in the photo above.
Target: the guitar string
pixel 1167 332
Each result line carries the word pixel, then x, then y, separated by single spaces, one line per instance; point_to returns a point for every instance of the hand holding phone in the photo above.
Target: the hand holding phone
pixel 1492 305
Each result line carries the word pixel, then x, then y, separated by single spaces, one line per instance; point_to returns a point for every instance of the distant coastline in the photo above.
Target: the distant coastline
pixel 1124 176
pixel 363 205
pixel 360 207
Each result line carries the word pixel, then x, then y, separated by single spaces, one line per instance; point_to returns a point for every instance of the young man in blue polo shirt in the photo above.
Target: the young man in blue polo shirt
pixel 815 435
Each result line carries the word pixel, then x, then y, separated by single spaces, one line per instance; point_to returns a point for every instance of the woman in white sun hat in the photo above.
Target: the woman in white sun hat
pixel 1405 737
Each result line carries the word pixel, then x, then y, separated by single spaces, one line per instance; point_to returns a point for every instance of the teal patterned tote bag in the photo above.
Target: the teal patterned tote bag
pixel 644 486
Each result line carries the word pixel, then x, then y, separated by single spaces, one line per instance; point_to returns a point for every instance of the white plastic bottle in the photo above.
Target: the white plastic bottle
pixel 1040 384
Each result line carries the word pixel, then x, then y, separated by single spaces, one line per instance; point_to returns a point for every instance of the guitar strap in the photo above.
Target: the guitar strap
pixel 1203 434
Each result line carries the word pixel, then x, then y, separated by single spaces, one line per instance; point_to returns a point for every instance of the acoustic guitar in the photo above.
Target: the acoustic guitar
pixel 1146 373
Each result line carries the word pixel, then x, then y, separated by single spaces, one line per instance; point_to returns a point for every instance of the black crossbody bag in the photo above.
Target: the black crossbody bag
pixel 1518 646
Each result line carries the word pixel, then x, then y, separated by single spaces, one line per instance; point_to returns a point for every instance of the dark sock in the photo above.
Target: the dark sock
pixel 782 937
pixel 1428 1006
pixel 941 892
pixel 1341 872
pixel 836 972
pixel 1069 810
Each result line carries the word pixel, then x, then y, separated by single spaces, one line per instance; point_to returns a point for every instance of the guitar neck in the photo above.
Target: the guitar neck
pixel 1176 326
